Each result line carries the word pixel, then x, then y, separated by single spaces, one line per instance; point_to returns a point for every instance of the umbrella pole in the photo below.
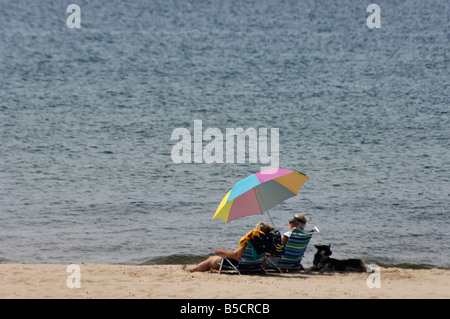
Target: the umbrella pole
pixel 271 220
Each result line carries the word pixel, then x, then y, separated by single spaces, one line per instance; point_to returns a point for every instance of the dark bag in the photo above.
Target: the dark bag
pixel 270 243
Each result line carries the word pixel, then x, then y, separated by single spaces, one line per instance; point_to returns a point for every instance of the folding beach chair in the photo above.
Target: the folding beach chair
pixel 293 251
pixel 250 262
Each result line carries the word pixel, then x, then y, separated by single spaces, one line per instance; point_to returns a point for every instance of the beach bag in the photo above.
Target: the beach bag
pixel 270 243
pixel 275 247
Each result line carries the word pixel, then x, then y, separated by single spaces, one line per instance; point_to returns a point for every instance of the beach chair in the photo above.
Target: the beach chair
pixel 250 262
pixel 293 251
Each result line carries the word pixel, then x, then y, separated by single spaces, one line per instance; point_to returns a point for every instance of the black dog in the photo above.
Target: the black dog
pixel 323 262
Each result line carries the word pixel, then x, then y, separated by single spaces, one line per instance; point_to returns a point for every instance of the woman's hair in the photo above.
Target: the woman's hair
pixel 265 228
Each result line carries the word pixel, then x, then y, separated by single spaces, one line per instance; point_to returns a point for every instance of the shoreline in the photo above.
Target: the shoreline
pixel 98 281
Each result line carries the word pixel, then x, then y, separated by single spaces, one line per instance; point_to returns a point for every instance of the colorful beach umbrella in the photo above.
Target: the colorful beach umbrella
pixel 259 192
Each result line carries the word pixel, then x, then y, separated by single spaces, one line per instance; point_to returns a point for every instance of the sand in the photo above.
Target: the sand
pixel 53 281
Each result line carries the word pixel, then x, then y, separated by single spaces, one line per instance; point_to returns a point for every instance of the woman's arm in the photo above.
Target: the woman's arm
pixel 284 240
pixel 237 254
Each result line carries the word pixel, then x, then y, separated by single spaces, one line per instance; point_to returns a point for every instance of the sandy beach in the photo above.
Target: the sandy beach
pixel 51 281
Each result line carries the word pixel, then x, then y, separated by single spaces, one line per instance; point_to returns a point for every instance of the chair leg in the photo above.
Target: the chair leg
pixel 221 265
pixel 234 267
pixel 274 264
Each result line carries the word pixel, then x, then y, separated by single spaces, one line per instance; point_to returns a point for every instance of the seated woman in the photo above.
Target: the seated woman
pixel 234 256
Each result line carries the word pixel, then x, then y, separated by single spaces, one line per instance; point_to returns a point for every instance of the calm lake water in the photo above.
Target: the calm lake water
pixel 87 114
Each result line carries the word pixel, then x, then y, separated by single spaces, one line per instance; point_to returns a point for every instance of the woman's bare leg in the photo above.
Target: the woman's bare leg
pixel 210 263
